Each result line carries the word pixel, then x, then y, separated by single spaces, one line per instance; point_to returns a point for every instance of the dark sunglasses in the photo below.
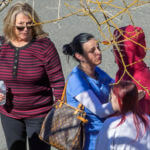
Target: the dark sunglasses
pixel 21 28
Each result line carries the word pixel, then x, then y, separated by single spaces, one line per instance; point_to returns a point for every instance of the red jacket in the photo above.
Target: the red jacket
pixel 133 50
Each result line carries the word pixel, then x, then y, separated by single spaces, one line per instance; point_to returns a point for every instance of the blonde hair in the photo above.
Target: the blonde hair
pixel 10 18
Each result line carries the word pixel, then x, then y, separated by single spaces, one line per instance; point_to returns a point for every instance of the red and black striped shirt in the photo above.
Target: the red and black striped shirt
pixel 33 75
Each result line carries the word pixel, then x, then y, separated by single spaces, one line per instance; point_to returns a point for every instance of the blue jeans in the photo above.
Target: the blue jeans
pixel 18 130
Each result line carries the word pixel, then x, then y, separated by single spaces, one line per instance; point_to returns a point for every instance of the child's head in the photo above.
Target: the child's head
pixel 124 97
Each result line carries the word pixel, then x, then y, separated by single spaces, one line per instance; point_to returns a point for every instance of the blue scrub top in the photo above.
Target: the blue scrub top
pixel 79 82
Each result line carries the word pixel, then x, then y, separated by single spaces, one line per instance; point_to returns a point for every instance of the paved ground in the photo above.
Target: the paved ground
pixel 63 32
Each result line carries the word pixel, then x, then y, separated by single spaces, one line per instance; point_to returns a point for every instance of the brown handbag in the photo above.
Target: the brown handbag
pixel 63 127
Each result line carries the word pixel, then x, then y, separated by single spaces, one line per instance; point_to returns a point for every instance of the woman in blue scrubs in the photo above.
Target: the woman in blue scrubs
pixel 89 85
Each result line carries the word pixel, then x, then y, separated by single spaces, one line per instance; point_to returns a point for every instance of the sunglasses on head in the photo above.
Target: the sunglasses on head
pixel 21 28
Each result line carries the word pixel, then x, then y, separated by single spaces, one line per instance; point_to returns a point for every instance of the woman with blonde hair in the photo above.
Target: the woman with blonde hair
pixel 31 69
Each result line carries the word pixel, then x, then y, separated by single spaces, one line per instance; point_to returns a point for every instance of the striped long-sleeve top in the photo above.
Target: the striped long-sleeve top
pixel 33 76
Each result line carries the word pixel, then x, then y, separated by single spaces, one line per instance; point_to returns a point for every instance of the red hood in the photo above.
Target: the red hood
pixel 130 50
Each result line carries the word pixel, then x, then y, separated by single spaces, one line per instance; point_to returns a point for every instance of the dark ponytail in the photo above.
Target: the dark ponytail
pixel 67 50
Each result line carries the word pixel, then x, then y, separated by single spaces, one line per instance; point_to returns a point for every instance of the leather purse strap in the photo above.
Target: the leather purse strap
pixel 80 106
pixel 64 97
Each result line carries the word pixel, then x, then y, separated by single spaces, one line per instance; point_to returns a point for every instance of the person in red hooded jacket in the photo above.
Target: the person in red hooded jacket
pixel 131 44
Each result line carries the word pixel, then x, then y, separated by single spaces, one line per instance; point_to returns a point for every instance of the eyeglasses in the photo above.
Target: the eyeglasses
pixel 21 28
